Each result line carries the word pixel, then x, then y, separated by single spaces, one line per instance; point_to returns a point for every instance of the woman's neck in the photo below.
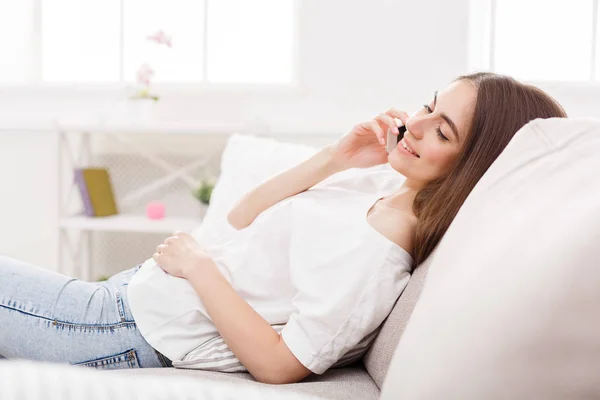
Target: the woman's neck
pixel 402 199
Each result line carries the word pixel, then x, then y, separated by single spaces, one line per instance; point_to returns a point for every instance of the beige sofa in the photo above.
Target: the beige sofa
pixel 363 380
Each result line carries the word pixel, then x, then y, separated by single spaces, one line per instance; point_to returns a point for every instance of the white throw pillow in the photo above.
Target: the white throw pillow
pixel 510 307
pixel 249 160
pixel 246 161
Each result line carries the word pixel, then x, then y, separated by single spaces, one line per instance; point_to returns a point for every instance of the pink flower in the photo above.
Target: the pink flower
pixel 145 74
pixel 160 37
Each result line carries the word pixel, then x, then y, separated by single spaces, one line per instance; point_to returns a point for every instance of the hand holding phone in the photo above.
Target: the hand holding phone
pixel 367 144
pixel 393 139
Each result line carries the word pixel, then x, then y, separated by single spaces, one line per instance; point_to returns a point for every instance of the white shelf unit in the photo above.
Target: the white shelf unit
pixel 129 223
pixel 75 149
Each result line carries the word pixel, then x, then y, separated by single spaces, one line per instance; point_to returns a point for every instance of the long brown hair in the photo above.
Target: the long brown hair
pixel 503 106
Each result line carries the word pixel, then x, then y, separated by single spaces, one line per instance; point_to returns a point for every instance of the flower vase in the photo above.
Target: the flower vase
pixel 141 110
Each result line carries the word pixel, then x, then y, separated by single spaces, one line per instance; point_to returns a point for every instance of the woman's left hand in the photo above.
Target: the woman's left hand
pixel 179 254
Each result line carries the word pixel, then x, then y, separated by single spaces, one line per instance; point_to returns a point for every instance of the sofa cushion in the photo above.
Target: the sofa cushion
pixel 510 307
pixel 335 384
pixel 377 359
pixel 34 380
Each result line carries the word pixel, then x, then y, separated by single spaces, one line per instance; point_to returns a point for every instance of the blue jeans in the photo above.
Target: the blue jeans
pixel 47 316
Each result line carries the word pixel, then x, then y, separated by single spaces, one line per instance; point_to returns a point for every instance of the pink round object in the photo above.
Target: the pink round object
pixel 155 210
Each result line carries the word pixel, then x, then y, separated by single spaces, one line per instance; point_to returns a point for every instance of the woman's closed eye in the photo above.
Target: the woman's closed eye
pixel 439 131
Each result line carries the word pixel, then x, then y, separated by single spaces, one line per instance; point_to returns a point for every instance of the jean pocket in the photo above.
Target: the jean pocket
pixel 127 359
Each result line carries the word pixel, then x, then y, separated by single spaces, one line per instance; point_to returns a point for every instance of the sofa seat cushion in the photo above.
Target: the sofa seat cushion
pixel 34 380
pixel 344 383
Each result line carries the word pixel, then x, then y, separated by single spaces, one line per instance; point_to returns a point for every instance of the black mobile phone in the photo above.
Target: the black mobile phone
pixel 392 139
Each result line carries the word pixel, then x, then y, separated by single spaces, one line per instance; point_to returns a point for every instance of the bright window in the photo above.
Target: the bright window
pixel 96 41
pixel 80 40
pixel 539 40
pixel 254 34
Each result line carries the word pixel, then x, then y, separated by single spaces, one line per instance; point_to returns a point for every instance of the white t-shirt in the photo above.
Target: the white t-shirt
pixel 311 262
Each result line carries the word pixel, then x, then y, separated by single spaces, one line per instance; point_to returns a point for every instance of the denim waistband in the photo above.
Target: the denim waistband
pixel 121 281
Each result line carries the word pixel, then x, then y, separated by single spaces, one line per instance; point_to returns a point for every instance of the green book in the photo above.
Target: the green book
pixel 100 191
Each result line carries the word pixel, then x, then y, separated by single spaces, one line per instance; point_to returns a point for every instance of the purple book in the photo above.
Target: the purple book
pixel 85 197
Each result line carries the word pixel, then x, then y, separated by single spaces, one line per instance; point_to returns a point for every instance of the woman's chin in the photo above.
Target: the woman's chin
pixel 397 162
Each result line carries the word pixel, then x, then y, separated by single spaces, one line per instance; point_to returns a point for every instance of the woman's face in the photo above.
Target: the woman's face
pixel 436 134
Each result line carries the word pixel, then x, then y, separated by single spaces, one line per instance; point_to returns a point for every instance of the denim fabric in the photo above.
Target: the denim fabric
pixel 47 316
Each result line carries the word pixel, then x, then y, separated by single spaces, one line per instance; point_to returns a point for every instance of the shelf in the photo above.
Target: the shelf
pixel 130 223
pixel 150 127
pixel 118 127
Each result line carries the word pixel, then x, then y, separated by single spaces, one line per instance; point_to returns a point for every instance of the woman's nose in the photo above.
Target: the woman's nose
pixel 416 125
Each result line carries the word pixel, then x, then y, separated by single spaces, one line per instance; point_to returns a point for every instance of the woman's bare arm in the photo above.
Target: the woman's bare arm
pixel 249 336
pixel 293 181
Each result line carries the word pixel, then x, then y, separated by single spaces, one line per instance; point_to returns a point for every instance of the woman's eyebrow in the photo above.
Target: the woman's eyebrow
pixel 446 118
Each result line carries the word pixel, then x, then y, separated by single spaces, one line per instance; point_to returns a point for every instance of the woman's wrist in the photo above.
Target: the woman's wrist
pixel 204 266
pixel 332 163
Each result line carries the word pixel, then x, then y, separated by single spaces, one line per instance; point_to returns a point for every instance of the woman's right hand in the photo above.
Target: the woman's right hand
pixel 365 145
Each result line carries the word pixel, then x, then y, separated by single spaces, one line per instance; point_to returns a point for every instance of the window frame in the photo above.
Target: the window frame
pixel 37 86
pixel 481 46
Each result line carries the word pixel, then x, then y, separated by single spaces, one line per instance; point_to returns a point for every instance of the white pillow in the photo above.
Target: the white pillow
pixel 246 161
pixel 249 160
pixel 510 307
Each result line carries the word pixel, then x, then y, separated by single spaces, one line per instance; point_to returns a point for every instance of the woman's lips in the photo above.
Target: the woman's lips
pixel 403 150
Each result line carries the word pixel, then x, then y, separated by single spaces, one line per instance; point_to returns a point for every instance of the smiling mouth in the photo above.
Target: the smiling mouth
pixel 403 143
pixel 404 148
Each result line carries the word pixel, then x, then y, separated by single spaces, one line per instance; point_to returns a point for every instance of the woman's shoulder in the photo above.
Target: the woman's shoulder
pixel 397 226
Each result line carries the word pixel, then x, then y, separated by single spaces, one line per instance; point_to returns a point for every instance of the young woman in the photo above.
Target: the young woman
pixel 309 275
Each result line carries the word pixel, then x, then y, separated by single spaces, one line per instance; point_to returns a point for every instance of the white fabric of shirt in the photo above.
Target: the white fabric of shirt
pixel 311 261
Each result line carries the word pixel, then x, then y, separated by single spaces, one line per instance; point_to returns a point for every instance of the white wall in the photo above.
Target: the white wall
pixel 28 194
